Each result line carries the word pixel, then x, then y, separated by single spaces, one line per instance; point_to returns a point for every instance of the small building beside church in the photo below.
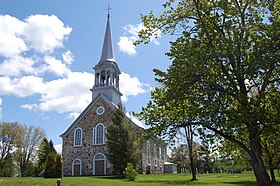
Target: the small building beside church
pixel 84 147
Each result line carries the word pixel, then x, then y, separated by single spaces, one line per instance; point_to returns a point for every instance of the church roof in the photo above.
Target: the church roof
pixel 107 54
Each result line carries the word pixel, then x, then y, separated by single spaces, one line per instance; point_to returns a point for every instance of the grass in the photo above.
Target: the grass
pixel 245 179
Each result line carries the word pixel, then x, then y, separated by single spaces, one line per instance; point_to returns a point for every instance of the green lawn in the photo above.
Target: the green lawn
pixel 246 179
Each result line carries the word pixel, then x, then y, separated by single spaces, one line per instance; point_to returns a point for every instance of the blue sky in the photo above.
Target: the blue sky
pixel 48 49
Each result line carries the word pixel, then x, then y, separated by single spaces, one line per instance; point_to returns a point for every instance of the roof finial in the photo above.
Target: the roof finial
pixel 108 9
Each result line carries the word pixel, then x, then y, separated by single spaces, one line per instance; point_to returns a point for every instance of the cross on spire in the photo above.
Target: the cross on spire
pixel 108 9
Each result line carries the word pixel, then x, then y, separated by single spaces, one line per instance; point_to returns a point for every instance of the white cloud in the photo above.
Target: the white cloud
pixel 74 115
pixel 58 148
pixel 68 95
pixel 126 46
pixel 131 35
pixel 21 87
pixel 56 66
pixel 68 57
pixel 44 33
pixel 130 86
pixel 10 43
pixel 17 65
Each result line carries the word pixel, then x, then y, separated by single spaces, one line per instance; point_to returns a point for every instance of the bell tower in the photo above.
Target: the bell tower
pixel 107 71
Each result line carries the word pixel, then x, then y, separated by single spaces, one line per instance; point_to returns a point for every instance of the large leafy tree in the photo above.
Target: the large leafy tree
pixel 9 140
pixel 122 144
pixel 26 152
pixel 225 63
pixel 170 120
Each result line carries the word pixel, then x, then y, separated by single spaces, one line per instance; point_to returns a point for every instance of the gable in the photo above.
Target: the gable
pixel 90 111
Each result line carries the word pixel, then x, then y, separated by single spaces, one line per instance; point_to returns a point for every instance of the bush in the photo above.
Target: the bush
pixel 130 173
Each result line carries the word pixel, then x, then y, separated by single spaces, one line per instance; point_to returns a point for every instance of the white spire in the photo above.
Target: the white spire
pixel 107 50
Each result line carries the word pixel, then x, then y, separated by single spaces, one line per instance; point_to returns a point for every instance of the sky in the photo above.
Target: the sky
pixel 48 49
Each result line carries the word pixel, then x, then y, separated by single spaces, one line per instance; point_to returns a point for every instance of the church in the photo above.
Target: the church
pixel 84 147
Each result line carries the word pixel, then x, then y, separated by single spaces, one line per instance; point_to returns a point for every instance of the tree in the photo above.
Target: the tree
pixel 46 147
pixel 53 166
pixel 272 153
pixel 8 167
pixel 170 118
pixel 26 152
pixel 179 157
pixel 225 64
pixel 123 147
pixel 9 140
pixel 49 162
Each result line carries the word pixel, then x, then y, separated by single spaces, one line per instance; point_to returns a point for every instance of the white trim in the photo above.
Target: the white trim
pixel 101 112
pixel 75 137
pixel 73 166
pixel 94 137
pixel 105 135
pixel 93 162
pixel 148 152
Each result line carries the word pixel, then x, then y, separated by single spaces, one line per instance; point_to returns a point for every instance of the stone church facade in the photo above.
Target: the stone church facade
pixel 84 147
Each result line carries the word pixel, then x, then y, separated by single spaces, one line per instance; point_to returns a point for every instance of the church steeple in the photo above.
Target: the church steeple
pixel 107 50
pixel 107 71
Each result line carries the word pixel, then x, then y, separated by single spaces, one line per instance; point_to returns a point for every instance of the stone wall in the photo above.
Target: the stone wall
pixel 151 167
pixel 87 150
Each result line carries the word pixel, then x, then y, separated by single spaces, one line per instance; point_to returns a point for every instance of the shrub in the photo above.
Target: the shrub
pixel 130 173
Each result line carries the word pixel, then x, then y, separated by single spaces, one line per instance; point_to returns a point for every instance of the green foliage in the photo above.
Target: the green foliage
pixel 46 147
pixel 49 161
pixel 9 139
pixel 7 167
pixel 26 152
pixel 130 172
pixel 225 67
pixel 122 144
pixel 25 139
pixel 53 166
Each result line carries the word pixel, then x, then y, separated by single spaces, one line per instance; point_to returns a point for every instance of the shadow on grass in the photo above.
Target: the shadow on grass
pixel 248 183
pixel 245 183
pixel 168 182
pixel 109 177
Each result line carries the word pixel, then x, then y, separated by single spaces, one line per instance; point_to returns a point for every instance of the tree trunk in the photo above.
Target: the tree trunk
pixel 271 169
pixel 189 137
pixel 192 165
pixel 260 172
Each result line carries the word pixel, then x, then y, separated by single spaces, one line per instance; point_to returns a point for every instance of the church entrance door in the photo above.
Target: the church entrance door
pixel 99 167
pixel 77 170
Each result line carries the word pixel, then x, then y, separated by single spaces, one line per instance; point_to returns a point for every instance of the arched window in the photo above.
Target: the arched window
pixel 76 167
pixel 78 137
pixel 148 153
pixel 102 78
pixel 97 77
pixel 108 80
pixel 99 134
pixel 155 154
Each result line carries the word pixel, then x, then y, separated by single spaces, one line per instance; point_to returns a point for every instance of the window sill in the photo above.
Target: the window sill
pixel 99 144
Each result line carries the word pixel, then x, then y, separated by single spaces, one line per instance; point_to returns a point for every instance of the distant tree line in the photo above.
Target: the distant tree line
pixel 25 151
